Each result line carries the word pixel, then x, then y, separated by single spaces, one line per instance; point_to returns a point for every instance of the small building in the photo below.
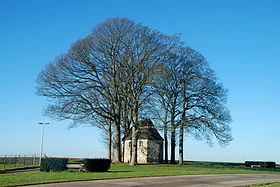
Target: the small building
pixel 149 144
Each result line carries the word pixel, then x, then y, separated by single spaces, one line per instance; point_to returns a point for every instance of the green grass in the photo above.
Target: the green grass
pixel 277 184
pixel 8 166
pixel 18 166
pixel 11 162
pixel 125 171
pixel 2 171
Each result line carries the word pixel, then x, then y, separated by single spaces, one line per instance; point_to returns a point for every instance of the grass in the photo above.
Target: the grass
pixel 17 167
pixel 277 184
pixel 11 162
pixel 125 171
pixel 4 171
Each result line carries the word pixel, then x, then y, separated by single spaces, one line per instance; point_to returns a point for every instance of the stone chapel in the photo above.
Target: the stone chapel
pixel 149 144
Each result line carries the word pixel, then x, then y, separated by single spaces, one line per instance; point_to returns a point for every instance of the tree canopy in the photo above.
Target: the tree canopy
pixel 114 76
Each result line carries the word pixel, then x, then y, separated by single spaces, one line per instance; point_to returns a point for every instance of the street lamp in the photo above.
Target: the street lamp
pixel 42 142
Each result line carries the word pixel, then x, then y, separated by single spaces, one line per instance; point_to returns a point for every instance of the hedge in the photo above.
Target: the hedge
pixel 261 164
pixel 53 164
pixel 97 165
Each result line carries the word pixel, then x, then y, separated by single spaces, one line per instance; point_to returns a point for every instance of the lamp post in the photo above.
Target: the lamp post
pixel 42 141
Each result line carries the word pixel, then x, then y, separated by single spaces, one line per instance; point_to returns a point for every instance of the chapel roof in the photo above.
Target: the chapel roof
pixel 147 131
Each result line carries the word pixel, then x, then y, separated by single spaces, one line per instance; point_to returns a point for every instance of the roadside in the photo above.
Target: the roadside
pixel 225 180
pixel 35 168
pixel 276 184
pixel 18 170
pixel 118 171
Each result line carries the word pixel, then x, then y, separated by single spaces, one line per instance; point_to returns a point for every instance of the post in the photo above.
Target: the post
pixel 42 141
pixel 5 159
pixel 24 160
pixel 34 159
pixel 15 160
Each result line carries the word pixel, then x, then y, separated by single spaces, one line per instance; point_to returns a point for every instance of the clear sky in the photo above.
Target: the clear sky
pixel 239 38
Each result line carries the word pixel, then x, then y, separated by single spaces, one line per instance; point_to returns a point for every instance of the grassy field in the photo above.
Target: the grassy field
pixel 125 171
pixel 11 162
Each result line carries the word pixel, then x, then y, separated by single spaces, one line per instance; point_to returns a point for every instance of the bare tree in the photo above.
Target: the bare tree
pixel 161 113
pixel 107 77
pixel 194 99
pixel 206 114
pixel 148 55
pixel 168 91
pixel 86 81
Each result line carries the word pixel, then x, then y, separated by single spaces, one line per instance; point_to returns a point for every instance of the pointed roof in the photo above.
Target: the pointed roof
pixel 147 130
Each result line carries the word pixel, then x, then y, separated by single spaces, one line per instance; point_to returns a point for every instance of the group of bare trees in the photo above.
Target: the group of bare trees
pixel 191 101
pixel 123 72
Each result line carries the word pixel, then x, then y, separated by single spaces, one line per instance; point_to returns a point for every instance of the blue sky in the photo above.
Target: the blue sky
pixel 240 39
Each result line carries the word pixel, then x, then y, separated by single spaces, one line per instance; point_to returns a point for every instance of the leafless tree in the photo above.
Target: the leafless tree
pixel 194 99
pixel 107 77
pixel 147 56
pixel 161 113
pixel 204 111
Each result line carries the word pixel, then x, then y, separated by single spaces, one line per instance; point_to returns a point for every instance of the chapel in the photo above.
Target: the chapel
pixel 149 144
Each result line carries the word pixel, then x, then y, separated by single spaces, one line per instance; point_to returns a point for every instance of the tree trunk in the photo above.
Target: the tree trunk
pixel 117 142
pixel 173 144
pixel 181 144
pixel 126 122
pixel 165 147
pixel 173 132
pixel 123 150
pixel 109 141
pixel 165 138
pixel 133 161
pixel 173 140
pixel 134 136
pixel 182 125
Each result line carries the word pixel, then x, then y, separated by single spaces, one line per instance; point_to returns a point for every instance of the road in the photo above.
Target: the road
pixel 177 181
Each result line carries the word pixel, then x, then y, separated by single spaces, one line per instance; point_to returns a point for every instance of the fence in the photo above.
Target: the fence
pixel 18 161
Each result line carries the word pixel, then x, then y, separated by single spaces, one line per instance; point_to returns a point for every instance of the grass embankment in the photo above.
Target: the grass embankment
pixel 125 171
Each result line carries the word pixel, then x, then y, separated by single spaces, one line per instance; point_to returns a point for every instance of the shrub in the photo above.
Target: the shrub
pixel 270 165
pixel 97 165
pixel 53 164
pixel 261 164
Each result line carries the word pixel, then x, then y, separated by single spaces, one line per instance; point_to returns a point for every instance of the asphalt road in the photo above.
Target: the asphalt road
pixel 177 181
